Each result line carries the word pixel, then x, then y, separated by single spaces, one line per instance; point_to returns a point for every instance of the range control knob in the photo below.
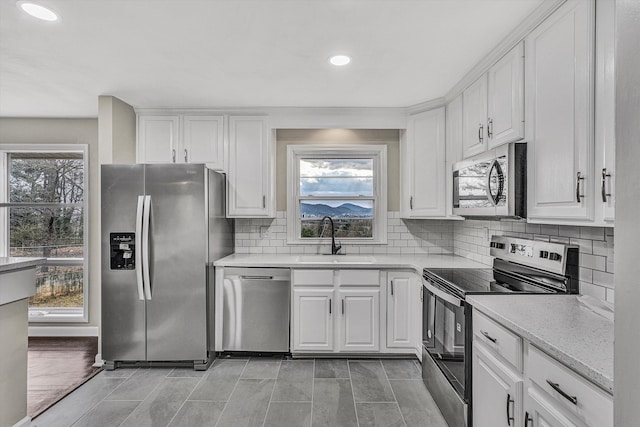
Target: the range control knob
pixel 554 256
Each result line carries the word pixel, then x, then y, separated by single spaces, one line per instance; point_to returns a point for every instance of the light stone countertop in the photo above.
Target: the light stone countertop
pixel 414 262
pixel 560 326
pixel 16 263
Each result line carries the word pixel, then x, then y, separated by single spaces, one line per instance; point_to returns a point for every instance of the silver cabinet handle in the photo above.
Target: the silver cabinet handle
pixel 329 305
pixel 421 293
pixel 487 336
pixel 579 178
pixel 343 306
pixel 481 133
pixel 605 175
pixel 264 202
pixel 173 155
pixel 490 127
pixel 391 287
pixel 527 418
pixel 411 202
pixel 185 156
pixel 556 387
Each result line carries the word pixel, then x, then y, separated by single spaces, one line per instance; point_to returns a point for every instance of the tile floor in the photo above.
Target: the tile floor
pixel 254 392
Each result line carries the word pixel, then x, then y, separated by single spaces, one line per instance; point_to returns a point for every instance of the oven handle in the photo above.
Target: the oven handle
pixel 442 294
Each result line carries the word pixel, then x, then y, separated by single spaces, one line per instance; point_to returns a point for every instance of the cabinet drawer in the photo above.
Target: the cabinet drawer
pixel 359 277
pixel 592 405
pixel 312 277
pixel 498 338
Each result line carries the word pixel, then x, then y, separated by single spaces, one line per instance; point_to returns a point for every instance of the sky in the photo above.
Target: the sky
pixel 336 177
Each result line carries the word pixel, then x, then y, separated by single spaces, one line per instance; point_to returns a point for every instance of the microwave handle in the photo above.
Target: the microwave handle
pixel 452 299
pixel 494 200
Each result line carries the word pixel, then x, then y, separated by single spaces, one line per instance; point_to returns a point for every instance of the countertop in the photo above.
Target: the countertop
pixel 16 263
pixel 560 326
pixel 415 262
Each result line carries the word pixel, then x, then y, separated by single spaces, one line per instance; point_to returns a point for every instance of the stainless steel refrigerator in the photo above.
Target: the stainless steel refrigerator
pixel 162 227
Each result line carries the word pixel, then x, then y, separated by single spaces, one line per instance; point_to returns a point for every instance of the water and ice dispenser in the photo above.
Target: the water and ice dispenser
pixel 123 251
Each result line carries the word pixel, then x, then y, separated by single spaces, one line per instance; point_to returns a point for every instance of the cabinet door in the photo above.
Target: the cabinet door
pixel 474 117
pixel 559 110
pixel 359 320
pixel 203 141
pixel 400 299
pixel 250 167
pixel 157 139
pixel 313 311
pixel 605 138
pixel 497 391
pixel 505 98
pixel 423 178
pixel 542 412
pixel 453 136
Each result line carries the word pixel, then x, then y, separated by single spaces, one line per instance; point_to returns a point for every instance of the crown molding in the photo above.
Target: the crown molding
pixel 426 105
pixel 541 13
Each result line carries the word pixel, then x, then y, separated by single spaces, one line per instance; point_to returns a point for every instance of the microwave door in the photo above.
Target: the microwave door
pixel 472 192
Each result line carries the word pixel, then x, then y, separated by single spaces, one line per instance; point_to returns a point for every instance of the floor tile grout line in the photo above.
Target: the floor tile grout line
pixel 145 398
pixel 271 396
pixel 246 362
pixel 394 394
pixel 187 398
pixel 313 386
pixel 353 396
pixel 97 403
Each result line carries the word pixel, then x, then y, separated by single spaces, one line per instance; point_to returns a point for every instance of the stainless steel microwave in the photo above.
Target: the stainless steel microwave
pixel 492 184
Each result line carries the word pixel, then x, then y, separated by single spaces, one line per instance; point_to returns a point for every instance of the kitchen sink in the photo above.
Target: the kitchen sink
pixel 336 259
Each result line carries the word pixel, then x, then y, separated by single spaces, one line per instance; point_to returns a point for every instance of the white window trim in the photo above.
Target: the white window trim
pixel 55 314
pixel 379 155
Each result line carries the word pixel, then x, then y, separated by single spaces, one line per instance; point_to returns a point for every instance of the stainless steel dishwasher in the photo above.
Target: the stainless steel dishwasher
pixel 256 309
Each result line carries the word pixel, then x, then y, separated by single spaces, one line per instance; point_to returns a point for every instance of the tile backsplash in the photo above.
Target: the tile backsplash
pixel 465 238
pixel 596 248
pixel 406 237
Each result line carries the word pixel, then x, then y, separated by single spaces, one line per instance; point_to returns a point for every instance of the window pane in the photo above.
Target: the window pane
pixel 46 177
pixel 351 218
pixel 336 186
pixel 58 286
pixel 315 168
pixel 46 232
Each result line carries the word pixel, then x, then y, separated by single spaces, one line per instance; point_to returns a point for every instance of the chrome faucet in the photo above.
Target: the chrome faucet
pixel 334 248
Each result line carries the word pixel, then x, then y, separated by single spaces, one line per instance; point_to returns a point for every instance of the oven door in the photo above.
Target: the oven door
pixel 444 333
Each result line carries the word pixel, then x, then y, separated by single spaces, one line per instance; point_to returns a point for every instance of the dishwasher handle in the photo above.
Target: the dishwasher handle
pixel 256 277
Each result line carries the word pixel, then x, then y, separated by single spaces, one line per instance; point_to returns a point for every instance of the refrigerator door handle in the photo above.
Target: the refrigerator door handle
pixel 145 246
pixel 138 239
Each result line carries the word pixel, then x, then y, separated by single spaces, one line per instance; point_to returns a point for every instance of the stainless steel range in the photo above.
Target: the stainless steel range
pixel 520 266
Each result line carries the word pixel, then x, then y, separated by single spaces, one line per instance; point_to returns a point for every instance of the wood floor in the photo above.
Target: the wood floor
pixel 56 367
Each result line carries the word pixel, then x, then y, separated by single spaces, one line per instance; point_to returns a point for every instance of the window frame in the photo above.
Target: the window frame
pixel 378 153
pixel 55 314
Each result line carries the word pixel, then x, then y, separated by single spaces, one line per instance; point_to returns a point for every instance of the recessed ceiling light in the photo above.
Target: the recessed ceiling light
pixel 38 11
pixel 339 60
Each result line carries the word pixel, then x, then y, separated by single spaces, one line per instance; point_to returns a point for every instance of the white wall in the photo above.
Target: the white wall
pixel 68 131
pixel 627 281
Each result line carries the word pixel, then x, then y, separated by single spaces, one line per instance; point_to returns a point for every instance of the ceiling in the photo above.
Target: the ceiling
pixel 243 53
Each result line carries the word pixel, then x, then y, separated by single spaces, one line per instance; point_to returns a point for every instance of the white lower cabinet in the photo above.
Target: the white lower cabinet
pixel 313 314
pixel 401 299
pixel 355 311
pixel 359 321
pixel 497 391
pixel 555 395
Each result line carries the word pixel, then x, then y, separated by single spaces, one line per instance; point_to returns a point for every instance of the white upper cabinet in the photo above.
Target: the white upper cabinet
pixel 505 122
pixel 605 138
pixel 453 136
pixel 203 141
pixel 423 188
pixel 559 114
pixel 250 189
pixel 182 139
pixel 474 118
pixel 157 139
